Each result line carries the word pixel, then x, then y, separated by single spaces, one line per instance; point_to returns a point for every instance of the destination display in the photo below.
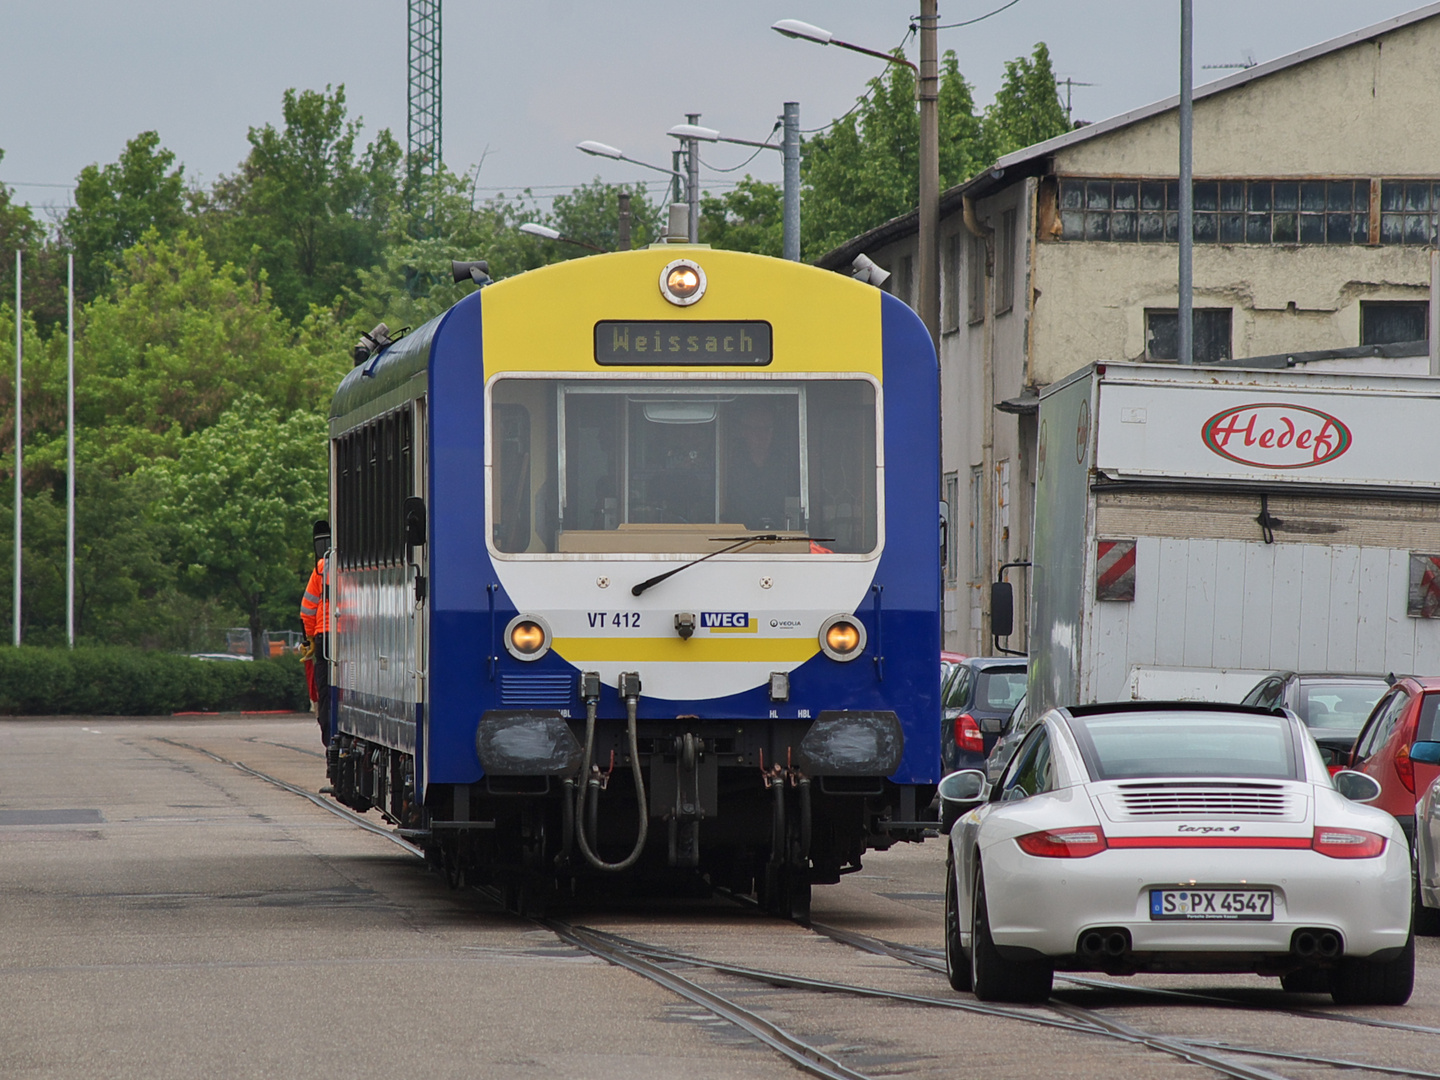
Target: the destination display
pixel 683 343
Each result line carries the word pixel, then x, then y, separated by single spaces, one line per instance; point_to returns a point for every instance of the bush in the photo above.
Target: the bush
pixel 115 681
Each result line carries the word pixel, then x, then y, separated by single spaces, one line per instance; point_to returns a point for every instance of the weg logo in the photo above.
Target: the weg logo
pixel 727 622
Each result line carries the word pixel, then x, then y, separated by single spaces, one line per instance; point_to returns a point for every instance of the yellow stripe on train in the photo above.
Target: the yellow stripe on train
pixel 580 650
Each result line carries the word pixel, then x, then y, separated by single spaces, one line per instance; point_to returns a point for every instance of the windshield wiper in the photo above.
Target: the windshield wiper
pixel 731 542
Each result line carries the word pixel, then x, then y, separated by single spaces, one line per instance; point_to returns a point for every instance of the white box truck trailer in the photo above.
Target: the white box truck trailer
pixel 1226 522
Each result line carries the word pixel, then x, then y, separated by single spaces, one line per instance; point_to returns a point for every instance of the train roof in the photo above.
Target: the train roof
pixel 387 370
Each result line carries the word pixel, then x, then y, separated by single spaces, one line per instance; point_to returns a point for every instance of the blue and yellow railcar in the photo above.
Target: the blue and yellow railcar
pixel 635 573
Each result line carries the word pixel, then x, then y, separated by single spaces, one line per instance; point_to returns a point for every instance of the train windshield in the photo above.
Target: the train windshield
pixel 677 465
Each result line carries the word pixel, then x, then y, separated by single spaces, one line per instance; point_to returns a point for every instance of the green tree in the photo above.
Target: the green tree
pixel 865 169
pixel 749 217
pixel 18 231
pixel 178 343
pixel 117 204
pixel 239 502
pixel 1027 108
pixel 305 207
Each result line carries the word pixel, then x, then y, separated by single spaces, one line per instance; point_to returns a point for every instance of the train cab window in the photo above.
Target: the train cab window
pixel 664 465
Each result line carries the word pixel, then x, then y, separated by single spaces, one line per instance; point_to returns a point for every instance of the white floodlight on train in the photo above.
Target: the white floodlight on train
pixel 794 28
pixel 542 231
pixel 863 268
pixel 599 149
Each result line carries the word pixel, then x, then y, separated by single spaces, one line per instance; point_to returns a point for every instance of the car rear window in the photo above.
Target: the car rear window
pixel 1428 729
pixel 1344 706
pixel 1130 745
pixel 1000 689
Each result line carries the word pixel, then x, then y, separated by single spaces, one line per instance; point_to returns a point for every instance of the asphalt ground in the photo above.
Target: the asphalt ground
pixel 164 914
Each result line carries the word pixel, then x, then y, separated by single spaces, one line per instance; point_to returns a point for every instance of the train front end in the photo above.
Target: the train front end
pixel 683 575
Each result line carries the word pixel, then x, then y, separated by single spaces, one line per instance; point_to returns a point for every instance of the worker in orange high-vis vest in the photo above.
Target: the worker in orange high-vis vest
pixel 315 618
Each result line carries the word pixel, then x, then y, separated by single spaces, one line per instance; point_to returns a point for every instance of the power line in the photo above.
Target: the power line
pixel 982 18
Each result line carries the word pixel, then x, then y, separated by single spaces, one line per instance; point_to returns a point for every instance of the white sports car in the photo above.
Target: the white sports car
pixel 1148 836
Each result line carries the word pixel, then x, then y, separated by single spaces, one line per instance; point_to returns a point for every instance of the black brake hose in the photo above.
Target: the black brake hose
pixel 589 789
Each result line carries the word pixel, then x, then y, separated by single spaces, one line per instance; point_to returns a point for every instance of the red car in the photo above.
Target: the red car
pixel 1408 713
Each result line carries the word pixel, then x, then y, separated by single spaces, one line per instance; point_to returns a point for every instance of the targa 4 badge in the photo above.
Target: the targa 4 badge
pixel 1274 435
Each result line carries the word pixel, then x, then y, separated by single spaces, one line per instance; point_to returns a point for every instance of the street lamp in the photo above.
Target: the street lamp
pixel 531 228
pixel 928 91
pixel 599 149
pixel 789 149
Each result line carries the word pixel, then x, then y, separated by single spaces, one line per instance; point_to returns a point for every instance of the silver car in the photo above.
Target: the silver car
pixel 1425 760
pixel 1017 726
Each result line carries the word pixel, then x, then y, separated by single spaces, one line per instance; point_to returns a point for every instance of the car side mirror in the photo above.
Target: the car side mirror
pixel 960 792
pixel 415 521
pixel 1002 609
pixel 1426 753
pixel 1358 786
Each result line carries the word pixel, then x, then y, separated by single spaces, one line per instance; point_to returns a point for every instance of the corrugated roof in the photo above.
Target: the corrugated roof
pixel 1027 160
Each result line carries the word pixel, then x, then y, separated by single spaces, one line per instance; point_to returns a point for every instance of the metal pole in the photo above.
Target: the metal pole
pixel 790 148
pixel 19 466
pixel 677 158
pixel 692 179
pixel 1186 351
pixel 622 236
pixel 70 455
pixel 929 238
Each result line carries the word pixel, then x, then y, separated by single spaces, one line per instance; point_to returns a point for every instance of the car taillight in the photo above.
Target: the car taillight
pixel 1405 768
pixel 1347 843
pixel 967 734
pixel 1077 843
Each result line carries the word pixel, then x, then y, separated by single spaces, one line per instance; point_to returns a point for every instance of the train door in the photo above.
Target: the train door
pixel 419 559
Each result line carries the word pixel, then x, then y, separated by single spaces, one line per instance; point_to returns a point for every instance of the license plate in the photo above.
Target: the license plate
pixel 1212 904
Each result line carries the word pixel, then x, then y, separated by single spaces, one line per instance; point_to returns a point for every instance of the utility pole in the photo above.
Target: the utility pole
pixel 692 178
pixel 1185 354
pixel 70 452
pixel 19 370
pixel 622 236
pixel 423 118
pixel 790 148
pixel 929 236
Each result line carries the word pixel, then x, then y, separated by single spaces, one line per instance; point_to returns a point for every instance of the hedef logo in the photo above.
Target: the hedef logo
pixel 731 620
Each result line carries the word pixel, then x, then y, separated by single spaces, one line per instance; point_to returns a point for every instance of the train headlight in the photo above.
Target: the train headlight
pixel 527 637
pixel 842 637
pixel 682 282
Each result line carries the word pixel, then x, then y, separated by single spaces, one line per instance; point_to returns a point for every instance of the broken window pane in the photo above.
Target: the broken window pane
pixel 1210 328
pixel 1285 228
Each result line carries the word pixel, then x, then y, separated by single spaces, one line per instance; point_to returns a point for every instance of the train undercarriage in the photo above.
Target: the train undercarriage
pixel 727 805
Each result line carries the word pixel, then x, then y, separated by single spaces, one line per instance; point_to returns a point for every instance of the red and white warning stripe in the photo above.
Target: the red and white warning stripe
pixel 1115 570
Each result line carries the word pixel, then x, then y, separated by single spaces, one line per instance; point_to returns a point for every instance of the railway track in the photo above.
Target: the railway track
pixel 667 967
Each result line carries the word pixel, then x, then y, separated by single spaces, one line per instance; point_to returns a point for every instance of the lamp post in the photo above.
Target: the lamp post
pixel 927 75
pixel 531 228
pixel 599 149
pixel 789 149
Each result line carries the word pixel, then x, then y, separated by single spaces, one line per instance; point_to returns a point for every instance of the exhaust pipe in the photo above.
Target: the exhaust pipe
pixel 1104 943
pixel 1316 944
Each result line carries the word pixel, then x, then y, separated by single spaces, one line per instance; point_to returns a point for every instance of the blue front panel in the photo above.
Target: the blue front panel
pixel 470 609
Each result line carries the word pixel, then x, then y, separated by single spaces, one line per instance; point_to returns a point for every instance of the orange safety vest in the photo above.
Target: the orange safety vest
pixel 314 610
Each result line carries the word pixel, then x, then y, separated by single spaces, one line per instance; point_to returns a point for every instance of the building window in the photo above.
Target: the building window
pixel 1211 328
pixel 950 293
pixel 1230 211
pixel 1384 322
pixel 1407 211
pixel 952 532
pixel 977 279
pixel 1005 263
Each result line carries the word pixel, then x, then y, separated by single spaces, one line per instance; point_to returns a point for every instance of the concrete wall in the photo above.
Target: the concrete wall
pixel 1346 113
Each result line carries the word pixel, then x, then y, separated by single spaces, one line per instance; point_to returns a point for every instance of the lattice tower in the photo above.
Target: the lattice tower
pixel 423 126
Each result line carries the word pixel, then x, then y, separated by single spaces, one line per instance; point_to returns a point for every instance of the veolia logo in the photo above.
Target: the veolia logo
pixel 1272 435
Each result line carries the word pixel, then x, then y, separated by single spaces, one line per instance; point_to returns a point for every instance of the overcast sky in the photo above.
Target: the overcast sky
pixel 524 82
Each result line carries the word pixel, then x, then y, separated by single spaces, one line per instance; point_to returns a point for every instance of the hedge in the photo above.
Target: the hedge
pixel 114 681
